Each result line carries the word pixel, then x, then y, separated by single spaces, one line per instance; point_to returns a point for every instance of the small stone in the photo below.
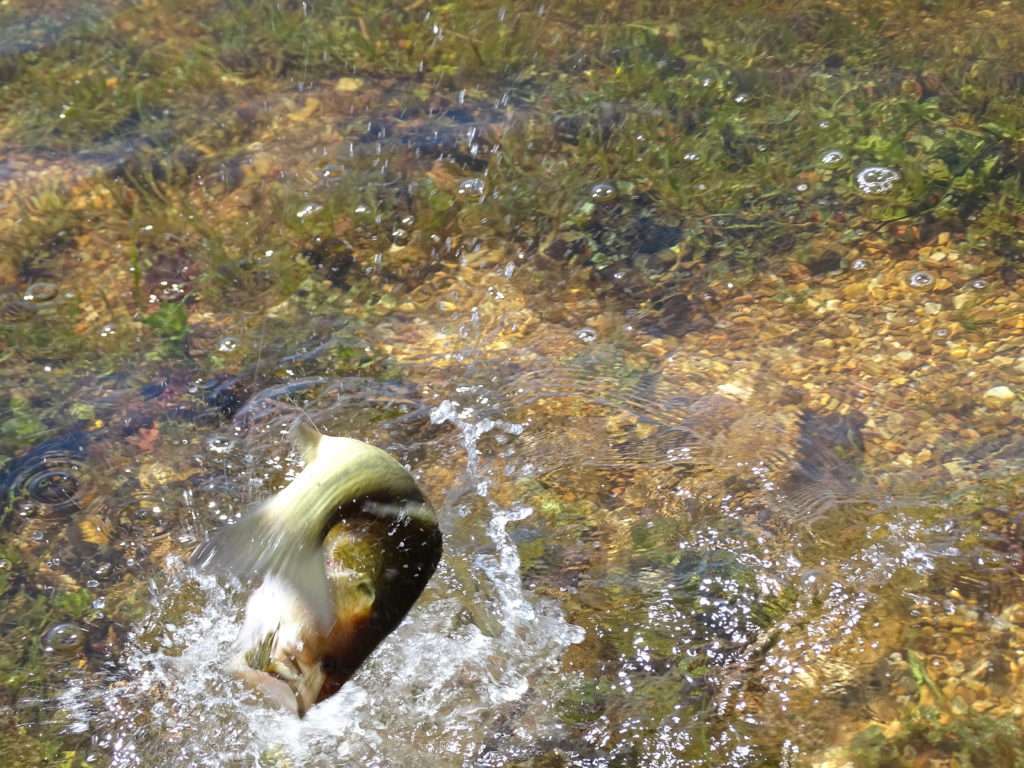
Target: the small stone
pixel 348 84
pixel 999 397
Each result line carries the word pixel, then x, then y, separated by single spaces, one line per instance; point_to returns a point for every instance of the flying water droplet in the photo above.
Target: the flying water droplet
pixel 309 210
pixel 603 192
pixel 471 188
pixel 219 443
pixel 920 280
pixel 877 180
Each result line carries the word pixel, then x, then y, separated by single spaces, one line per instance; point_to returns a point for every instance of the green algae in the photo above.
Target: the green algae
pixel 707 118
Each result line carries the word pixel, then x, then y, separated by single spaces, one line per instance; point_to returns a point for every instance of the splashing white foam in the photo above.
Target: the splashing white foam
pixel 441 690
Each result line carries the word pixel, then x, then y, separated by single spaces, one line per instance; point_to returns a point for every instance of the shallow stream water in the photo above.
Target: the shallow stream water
pixel 700 324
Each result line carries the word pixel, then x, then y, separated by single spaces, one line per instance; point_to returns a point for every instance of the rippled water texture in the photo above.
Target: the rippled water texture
pixel 699 323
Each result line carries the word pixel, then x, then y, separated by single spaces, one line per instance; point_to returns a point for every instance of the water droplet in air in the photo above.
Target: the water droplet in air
pixel 877 180
pixel 64 638
pixel 920 280
pixel 471 188
pixel 219 443
pixel 309 210
pixel 172 291
pixel 859 265
pixel 603 192
pixel 832 157
pixel 40 292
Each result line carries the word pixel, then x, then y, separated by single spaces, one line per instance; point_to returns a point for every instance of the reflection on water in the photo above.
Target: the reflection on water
pixel 700 324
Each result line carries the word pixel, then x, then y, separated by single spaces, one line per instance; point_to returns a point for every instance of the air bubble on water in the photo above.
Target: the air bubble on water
pixel 979 284
pixel 877 180
pixel 941 333
pixel 741 98
pixel 473 187
pixel 832 157
pixel 107 329
pixel 26 507
pixel 64 638
pixel 603 192
pixel 399 236
pixel 920 280
pixel 706 82
pixel 586 335
pixel 824 123
pixel 408 221
pixel 227 344
pixel 171 291
pixel 859 265
pixel 691 157
pixel 309 210
pixel 41 292
pixel 802 187
pixel 220 443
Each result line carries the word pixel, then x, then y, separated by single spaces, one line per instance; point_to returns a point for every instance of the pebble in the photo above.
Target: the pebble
pixel 999 397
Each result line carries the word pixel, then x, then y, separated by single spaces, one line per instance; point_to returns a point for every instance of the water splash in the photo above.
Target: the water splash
pixel 476 651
